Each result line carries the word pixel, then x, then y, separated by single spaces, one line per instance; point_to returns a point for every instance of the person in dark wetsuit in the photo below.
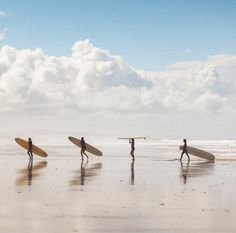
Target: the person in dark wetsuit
pixel 131 141
pixel 185 151
pixel 30 147
pixel 83 148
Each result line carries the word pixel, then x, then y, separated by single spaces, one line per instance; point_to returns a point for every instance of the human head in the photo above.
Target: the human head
pixel 82 138
pixel 184 140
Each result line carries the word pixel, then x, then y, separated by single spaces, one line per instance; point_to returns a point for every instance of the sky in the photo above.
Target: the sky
pixel 148 34
pixel 159 68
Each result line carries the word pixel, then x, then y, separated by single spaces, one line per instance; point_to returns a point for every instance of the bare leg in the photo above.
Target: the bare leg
pixel 30 154
pixel 85 155
pixel 181 156
pixel 188 156
pixel 81 153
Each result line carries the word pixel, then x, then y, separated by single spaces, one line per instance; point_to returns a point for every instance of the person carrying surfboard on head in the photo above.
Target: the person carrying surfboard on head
pixel 185 150
pixel 83 148
pixel 30 147
pixel 131 141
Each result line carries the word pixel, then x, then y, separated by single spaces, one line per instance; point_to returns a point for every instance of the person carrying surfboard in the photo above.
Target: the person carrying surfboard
pixel 30 147
pixel 185 151
pixel 131 141
pixel 83 148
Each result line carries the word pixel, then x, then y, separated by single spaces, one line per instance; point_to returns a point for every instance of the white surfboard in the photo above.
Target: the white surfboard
pixel 145 138
pixel 199 153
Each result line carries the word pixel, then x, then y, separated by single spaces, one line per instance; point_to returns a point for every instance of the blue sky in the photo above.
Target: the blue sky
pixel 147 34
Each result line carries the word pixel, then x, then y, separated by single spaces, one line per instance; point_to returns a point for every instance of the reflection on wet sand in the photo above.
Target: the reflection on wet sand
pixel 85 172
pixel 132 173
pixel 195 169
pixel 28 174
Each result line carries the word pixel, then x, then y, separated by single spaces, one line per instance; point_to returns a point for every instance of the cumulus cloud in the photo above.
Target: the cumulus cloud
pixel 200 85
pixel 93 80
pixel 90 79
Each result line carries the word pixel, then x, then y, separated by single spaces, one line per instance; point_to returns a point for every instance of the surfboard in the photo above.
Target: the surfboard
pixel 199 153
pixel 35 150
pixel 89 148
pixel 145 138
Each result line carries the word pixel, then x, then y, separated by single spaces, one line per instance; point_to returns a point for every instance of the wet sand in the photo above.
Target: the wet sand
pixel 113 194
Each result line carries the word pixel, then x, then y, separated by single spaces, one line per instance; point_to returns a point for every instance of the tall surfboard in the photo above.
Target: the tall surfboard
pixel 199 153
pixel 89 148
pixel 35 150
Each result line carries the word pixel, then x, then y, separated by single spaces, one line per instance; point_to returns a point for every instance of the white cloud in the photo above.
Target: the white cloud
pixel 94 80
pixel 3 34
pixel 4 30
pixel 186 51
pixel 2 14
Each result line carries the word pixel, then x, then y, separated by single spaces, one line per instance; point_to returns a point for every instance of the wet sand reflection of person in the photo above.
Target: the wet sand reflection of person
pixel 184 171
pixel 132 172
pixel 131 141
pixel 185 150
pixel 196 169
pixel 83 148
pixel 85 173
pixel 31 172
pixel 30 147
pixel 82 172
pixel 30 175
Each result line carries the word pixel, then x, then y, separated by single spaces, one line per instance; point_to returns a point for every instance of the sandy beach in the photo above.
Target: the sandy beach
pixel 156 193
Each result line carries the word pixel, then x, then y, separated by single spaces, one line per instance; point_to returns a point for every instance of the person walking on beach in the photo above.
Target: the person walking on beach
pixel 30 147
pixel 185 151
pixel 83 148
pixel 131 141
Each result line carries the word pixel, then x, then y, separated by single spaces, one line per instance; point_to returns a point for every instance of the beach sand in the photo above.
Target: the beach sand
pixel 156 193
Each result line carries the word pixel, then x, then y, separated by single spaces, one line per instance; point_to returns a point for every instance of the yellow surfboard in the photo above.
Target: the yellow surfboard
pixel 36 150
pixel 89 148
